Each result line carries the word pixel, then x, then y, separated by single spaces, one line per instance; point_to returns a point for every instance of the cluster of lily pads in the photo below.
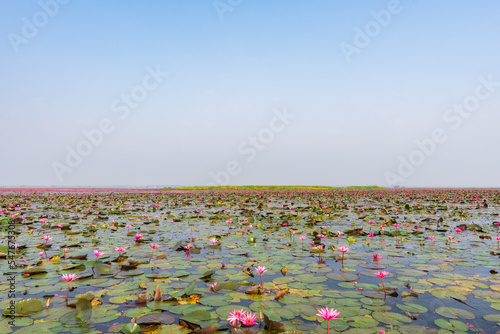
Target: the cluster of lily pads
pixel 250 261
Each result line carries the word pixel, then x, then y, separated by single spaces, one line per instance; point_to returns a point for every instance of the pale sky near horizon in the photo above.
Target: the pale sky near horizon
pixel 250 92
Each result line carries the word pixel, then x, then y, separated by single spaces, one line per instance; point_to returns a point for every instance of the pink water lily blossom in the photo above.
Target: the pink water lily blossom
pixel 343 250
pixel 97 255
pixel 377 256
pixel 248 319
pixel 328 314
pixel 382 274
pixel 234 316
pixel 261 270
pixel 213 241
pixel 153 246
pixel 68 278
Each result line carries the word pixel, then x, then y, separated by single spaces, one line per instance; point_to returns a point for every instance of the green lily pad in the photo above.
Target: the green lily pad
pixel 454 313
pixel 391 318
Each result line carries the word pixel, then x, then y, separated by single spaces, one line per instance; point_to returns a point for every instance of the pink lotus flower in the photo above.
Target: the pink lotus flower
pixel 261 270
pixel 187 247
pixel 382 274
pixel 377 256
pixel 343 249
pixel 371 234
pixel 234 316
pixel 213 241
pixel 153 246
pixel 138 236
pixel 248 319
pixel 47 238
pixel 212 286
pixel 59 226
pixel 338 236
pixel 68 278
pixel 98 255
pixel 120 249
pixel 328 314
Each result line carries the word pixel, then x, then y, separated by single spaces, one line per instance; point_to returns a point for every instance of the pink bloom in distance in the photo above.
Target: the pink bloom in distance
pixel 381 274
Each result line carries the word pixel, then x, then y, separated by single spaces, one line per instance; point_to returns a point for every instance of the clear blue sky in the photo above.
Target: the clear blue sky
pixel 356 115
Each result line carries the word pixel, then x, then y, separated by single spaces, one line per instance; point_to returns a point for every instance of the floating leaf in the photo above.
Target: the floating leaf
pixel 454 313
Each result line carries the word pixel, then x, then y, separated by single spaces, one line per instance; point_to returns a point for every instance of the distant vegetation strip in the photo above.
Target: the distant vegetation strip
pixel 274 187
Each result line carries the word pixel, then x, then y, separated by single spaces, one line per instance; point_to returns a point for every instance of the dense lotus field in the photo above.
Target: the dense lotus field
pixel 250 261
